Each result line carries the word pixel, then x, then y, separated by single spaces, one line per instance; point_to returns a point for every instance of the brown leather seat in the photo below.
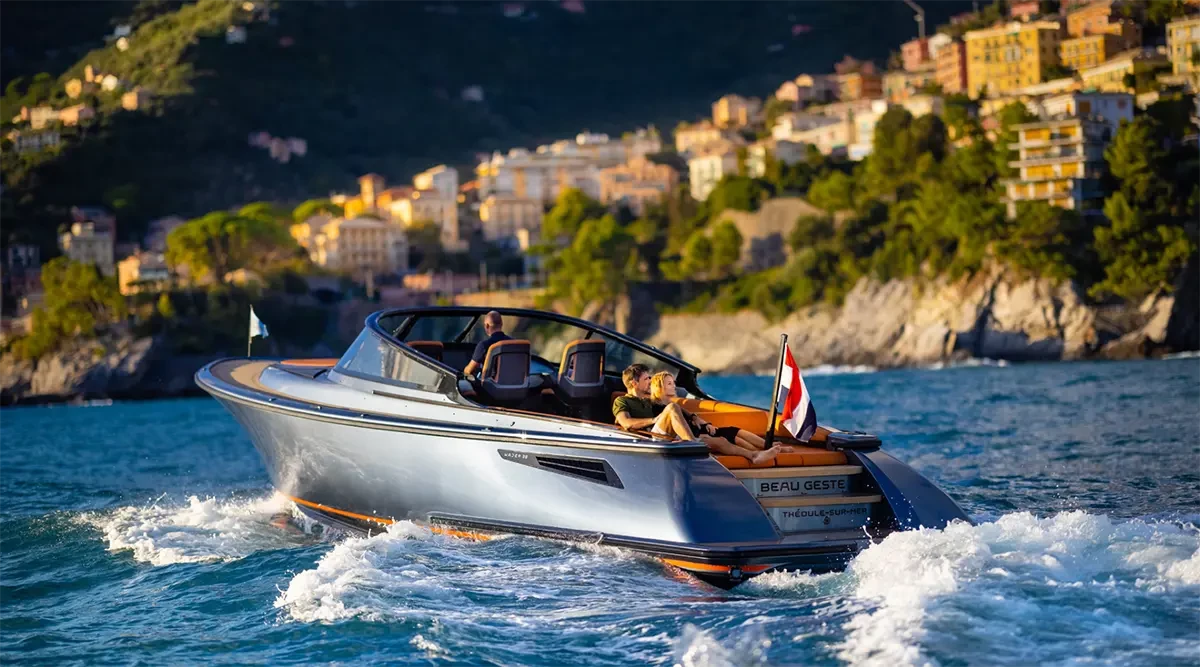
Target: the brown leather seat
pixel 581 371
pixel 505 375
pixel 430 348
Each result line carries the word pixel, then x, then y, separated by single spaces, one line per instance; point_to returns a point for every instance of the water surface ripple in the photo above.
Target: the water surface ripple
pixel 146 533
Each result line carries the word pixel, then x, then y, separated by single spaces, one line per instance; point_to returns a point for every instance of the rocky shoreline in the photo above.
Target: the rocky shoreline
pixel 992 315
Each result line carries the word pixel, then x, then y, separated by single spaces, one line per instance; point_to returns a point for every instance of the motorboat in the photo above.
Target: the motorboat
pixel 395 431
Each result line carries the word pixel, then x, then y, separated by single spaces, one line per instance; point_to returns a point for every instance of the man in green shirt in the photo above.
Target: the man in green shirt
pixel 635 411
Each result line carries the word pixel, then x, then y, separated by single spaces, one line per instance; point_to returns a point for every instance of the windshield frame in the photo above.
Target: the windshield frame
pixel 686 377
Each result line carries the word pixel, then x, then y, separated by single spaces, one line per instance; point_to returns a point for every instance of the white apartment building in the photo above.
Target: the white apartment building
pixel 359 246
pixel 1107 108
pixel 832 139
pixel 441 179
pixel 787 152
pixel 504 217
pixel 430 206
pixel 89 245
pixel 790 124
pixel 708 168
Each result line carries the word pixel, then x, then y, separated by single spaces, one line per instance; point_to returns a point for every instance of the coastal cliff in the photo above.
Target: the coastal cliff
pixel 116 365
pixel 994 315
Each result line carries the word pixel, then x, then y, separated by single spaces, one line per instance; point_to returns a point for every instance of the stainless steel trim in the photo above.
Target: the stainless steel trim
pixel 214 385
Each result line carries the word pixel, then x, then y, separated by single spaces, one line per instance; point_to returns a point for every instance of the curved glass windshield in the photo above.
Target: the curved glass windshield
pixel 371 357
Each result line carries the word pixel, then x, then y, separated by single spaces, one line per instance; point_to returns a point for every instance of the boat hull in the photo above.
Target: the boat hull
pixel 474 472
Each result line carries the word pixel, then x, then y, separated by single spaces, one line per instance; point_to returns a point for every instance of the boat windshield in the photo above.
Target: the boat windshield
pixel 547 337
pixel 373 358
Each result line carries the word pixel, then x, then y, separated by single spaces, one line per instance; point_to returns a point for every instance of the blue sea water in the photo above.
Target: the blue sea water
pixel 146 533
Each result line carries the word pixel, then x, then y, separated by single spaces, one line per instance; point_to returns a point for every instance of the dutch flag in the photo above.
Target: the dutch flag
pixel 799 415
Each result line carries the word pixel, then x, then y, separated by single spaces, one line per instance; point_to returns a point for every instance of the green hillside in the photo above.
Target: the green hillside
pixel 376 86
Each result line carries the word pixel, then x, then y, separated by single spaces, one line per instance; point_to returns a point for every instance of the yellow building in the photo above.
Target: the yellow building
pixel 1088 51
pixel 142 271
pixel 1110 76
pixel 636 184
pixel 1183 45
pixel 691 138
pixel 735 111
pixel 1010 56
pixel 1060 162
pixel 1106 16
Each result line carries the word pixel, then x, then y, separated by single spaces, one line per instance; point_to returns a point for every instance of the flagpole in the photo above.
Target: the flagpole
pixel 769 436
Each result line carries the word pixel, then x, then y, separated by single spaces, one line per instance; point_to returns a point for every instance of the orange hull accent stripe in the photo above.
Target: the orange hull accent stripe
pixel 334 510
pixel 708 567
pixel 464 534
pixel 441 530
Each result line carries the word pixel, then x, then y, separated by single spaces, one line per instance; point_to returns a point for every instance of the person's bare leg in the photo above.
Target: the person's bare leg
pixel 723 446
pixel 750 440
pixel 671 421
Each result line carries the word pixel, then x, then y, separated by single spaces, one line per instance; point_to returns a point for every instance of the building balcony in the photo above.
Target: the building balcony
pixel 1052 160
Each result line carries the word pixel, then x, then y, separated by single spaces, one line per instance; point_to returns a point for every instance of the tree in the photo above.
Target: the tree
pixel 810 231
pixel 928 135
pixel 1042 239
pixel 425 243
pixel 833 192
pixel 1161 12
pixel 959 116
pixel 595 266
pixel 571 209
pixel 726 247
pixel 1010 116
pixel 697 256
pixel 892 153
pixel 1139 255
pixel 739 193
pixel 265 211
pixel 79 301
pixel 774 108
pixel 220 242
pixel 312 207
pixel 1145 245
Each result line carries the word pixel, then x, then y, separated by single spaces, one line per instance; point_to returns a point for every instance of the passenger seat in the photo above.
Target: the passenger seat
pixel 581 387
pixel 505 375
pixel 430 348
pixel 581 372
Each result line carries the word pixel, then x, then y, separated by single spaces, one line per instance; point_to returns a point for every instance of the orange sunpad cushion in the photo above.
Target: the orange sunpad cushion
pixel 738 462
pixel 810 456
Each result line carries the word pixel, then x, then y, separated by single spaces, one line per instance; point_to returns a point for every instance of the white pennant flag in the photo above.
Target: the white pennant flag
pixel 257 328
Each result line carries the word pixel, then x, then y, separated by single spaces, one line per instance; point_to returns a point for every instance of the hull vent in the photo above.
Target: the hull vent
pixel 583 467
pixel 593 470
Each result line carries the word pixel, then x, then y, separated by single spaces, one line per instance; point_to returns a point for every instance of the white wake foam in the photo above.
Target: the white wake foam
pixel 363 577
pixel 914 580
pixel 832 369
pixel 204 530
pixel 970 362
pixel 698 648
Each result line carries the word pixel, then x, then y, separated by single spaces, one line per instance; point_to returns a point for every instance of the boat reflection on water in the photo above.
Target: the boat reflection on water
pixel 394 431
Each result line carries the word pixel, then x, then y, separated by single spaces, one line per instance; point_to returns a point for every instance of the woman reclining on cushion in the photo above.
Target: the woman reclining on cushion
pixel 635 410
pixel 662 388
